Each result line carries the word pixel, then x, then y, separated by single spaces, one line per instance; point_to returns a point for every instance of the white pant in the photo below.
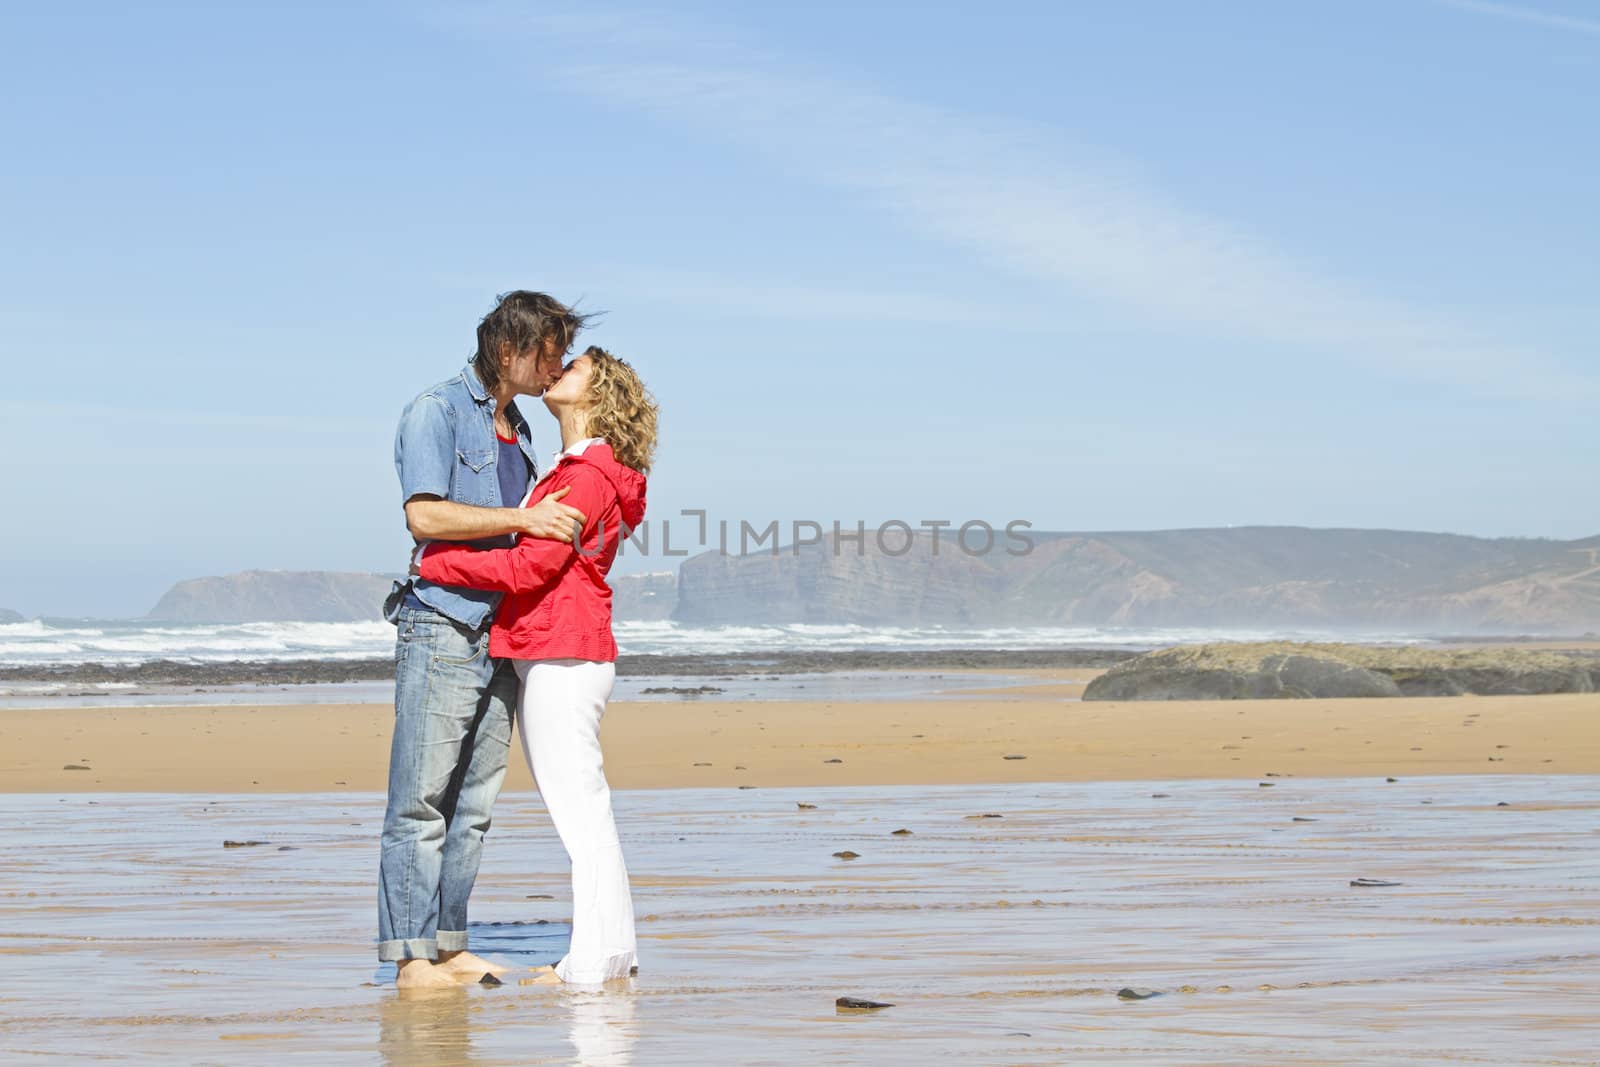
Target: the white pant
pixel 558 719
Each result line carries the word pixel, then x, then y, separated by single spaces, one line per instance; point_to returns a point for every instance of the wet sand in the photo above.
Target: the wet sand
pixel 961 740
pixel 128 932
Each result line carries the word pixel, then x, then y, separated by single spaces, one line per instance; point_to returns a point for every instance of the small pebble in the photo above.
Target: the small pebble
pixel 1371 883
pixel 490 979
pixel 902 832
pixel 1016 757
pixel 833 761
pixel 1130 993
pixel 803 806
pixel 858 1004
pixel 847 855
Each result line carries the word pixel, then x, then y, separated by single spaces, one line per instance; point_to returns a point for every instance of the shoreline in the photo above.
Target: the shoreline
pixel 755 744
pixel 336 671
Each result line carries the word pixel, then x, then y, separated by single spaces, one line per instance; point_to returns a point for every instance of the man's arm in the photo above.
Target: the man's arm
pixel 431 519
pixel 424 455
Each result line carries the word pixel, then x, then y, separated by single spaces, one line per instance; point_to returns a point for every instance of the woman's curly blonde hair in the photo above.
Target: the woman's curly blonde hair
pixel 621 410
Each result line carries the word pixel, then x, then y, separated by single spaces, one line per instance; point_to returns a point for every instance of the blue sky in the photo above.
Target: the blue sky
pixel 1092 265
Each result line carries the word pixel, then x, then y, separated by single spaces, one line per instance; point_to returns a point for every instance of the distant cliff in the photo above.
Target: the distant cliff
pixel 276 596
pixel 1280 577
pixel 6 615
pixel 644 597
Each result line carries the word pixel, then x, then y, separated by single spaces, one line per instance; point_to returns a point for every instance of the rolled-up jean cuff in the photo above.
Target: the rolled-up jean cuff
pixel 452 940
pixel 416 948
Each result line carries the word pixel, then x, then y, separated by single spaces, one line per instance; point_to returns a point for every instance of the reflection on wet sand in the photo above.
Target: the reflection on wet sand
pixel 425 1027
pixel 128 931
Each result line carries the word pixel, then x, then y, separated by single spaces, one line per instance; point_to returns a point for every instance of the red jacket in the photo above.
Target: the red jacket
pixel 558 604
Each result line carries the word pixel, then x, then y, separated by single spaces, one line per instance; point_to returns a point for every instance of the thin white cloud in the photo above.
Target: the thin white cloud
pixel 763 297
pixel 1021 200
pixel 1528 14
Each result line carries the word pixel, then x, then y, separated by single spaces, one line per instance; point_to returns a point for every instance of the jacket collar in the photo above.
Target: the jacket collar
pixel 475 386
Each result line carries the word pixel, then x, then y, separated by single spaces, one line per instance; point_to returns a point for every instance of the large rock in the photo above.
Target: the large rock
pixel 1288 670
pixel 276 596
pixel 7 615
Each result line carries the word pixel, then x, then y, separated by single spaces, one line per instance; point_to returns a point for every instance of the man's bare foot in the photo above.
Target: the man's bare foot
pixel 464 964
pixel 423 974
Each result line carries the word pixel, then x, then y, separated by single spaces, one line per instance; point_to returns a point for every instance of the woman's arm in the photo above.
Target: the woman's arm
pixel 533 562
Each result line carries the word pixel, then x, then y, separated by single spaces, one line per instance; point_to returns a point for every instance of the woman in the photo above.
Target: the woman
pixel 555 624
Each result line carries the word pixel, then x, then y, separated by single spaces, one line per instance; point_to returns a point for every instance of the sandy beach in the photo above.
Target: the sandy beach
pixel 1002 928
pixel 715 743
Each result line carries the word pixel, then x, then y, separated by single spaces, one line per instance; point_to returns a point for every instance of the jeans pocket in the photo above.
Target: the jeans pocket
pixel 452 644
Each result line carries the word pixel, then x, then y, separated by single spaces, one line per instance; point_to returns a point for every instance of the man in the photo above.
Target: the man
pixel 465 460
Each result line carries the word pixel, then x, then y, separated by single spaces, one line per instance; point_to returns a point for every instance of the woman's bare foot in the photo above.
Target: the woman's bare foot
pixel 423 974
pixel 546 976
pixel 464 964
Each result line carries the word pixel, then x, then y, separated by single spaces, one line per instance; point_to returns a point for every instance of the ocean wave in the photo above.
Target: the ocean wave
pixel 68 642
pixel 125 643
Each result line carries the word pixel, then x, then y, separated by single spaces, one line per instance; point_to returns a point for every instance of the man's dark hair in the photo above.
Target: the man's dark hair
pixel 522 321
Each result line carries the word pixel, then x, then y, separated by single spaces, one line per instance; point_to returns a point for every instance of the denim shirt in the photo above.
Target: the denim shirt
pixel 446 447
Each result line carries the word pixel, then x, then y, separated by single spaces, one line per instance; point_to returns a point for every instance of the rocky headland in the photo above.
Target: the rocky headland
pixel 1289 670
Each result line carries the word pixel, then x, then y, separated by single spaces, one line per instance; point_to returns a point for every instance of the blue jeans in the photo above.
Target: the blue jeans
pixel 453 707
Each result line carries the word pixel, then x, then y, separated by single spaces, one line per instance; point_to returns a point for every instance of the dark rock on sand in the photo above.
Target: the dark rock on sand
pixel 803 806
pixel 902 832
pixel 833 761
pixel 682 690
pixel 1288 670
pixel 1372 883
pixel 76 767
pixel 1015 757
pixel 1132 993
pixel 847 855
pixel 242 844
pixel 490 979
pixel 858 1004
